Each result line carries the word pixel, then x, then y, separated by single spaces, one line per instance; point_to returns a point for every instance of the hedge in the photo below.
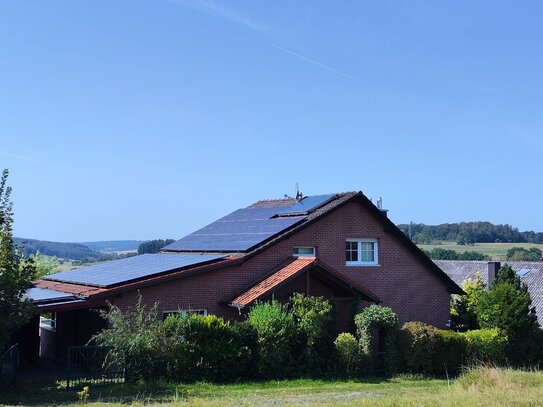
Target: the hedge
pixel 429 350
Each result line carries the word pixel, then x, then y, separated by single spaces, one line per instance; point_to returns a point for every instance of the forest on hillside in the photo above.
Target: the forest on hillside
pixel 466 233
pixel 73 251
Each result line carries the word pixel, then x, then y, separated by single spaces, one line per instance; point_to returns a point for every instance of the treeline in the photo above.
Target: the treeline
pixel 153 246
pixel 469 233
pixel 448 254
pixel 73 251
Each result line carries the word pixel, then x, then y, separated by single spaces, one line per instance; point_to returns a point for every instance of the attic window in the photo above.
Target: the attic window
pixel 523 272
pixel 361 252
pixel 304 251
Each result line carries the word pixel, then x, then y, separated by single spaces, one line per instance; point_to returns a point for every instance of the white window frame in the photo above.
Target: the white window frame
pixel 185 312
pixel 359 262
pixel 314 254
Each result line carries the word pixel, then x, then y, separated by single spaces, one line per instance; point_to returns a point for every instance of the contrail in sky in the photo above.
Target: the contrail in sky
pixel 312 61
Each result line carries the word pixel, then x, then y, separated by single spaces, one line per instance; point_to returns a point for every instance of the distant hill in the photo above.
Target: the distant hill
pixel 469 233
pixel 73 251
pixel 114 245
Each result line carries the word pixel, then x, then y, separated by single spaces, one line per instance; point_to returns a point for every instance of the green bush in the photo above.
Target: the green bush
pixel 451 353
pixel 348 352
pixel 316 321
pixel 486 345
pixel 206 348
pixel 247 359
pixel 279 340
pixel 384 321
pixel 138 341
pixel 426 349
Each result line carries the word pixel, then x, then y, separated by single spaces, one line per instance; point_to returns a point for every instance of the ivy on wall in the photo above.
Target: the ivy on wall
pixel 383 319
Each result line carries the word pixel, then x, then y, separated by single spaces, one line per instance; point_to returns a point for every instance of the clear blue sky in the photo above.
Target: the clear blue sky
pixel 143 119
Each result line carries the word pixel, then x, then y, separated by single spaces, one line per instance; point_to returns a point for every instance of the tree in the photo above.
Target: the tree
pixel 45 264
pixel 153 246
pixel 507 306
pixel 521 254
pixel 464 307
pixel 16 271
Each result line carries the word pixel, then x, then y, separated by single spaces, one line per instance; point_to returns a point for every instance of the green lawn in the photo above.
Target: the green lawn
pixel 481 387
pixel 495 250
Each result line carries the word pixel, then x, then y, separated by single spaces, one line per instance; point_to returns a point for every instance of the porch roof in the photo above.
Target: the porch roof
pixel 292 270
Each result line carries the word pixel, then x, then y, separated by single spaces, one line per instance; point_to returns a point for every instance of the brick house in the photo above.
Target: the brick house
pixel 339 246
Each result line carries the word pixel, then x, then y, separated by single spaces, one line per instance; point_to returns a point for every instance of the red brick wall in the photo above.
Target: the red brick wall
pixel 401 280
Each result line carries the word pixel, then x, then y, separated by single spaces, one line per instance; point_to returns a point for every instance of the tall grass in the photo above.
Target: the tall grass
pixel 476 387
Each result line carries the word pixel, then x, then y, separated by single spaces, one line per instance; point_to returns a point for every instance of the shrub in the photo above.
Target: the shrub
pixel 315 319
pixel 383 319
pixel 204 348
pixel 426 349
pixel 348 352
pixel 247 360
pixel 486 345
pixel 278 340
pixel 137 340
pixel 451 353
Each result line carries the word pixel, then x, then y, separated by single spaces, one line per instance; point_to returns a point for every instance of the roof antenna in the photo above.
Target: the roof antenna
pixel 299 196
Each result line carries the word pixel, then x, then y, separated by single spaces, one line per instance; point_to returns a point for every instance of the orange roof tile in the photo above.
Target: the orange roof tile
pixel 290 270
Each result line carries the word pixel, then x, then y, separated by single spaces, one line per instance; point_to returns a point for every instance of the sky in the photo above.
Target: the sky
pixel 143 119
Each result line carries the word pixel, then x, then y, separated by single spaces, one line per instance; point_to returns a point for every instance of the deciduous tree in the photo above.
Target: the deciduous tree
pixel 16 271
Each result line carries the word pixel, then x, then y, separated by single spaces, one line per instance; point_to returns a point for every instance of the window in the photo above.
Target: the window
pixel 361 252
pixel 184 312
pixel 303 252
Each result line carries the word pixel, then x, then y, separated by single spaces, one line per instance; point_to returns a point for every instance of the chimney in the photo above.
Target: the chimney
pixel 493 267
pixel 380 206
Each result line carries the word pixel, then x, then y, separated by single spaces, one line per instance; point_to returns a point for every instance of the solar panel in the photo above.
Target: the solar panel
pixel 132 268
pixel 37 294
pixel 253 213
pixel 233 234
pixel 307 204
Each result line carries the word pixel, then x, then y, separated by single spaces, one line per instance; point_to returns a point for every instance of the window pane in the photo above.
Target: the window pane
pixel 351 251
pixel 368 251
pixel 304 251
pixel 368 256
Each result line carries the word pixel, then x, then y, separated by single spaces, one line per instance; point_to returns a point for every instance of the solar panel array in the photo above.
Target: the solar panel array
pixel 130 269
pixel 37 294
pixel 307 204
pixel 233 235
pixel 246 228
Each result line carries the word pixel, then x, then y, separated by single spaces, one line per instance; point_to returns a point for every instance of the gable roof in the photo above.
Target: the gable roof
pixel 292 270
pixel 284 209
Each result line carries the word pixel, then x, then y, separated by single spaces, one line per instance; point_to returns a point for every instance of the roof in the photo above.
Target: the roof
pixel 532 275
pixel 247 228
pixel 42 295
pixel 230 240
pixel 291 270
pixel 121 271
pixel 342 199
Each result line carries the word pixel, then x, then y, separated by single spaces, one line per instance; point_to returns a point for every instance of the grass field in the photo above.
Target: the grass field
pixel 479 387
pixel 495 250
